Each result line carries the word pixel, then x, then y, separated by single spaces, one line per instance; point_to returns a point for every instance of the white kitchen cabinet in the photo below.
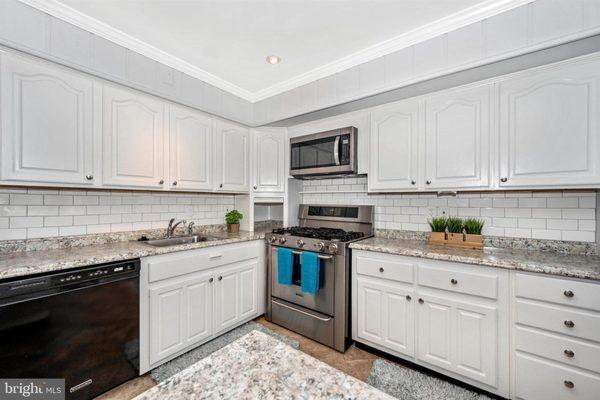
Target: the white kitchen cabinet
pixel 458 336
pixel 134 139
pixel 549 127
pixel 191 149
pixel 233 145
pixel 235 295
pixel 390 320
pixel 457 137
pixel 268 150
pixel 393 160
pixel 47 124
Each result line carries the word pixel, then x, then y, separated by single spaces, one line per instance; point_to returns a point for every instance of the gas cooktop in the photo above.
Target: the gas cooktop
pixel 331 234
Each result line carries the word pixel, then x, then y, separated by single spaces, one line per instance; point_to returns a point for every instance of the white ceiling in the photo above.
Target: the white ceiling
pixel 229 40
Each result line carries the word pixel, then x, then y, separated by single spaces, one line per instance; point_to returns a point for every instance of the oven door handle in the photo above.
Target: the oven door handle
pixel 336 150
pixel 299 253
pixel 301 312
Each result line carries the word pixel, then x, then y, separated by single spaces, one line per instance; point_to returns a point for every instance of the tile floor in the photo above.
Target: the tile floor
pixel 354 361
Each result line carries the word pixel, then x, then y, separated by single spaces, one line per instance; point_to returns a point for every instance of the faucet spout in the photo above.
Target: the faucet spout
pixel 172 226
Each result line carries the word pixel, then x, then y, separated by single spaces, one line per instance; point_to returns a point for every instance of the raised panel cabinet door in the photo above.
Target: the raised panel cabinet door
pixel 199 308
pixel 399 320
pixel 47 124
pixel 191 149
pixel 133 139
pixel 232 157
pixel 549 131
pixel 227 298
pixel 248 290
pixel 457 137
pixel 436 331
pixel 394 148
pixel 167 320
pixel 370 312
pixel 269 155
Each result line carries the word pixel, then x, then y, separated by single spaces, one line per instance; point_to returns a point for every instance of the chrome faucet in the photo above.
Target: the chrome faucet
pixel 172 226
pixel 190 228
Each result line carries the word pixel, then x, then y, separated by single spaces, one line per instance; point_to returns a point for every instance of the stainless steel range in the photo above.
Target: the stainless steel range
pixel 326 230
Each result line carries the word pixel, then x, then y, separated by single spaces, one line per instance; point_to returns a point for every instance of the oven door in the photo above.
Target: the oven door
pixel 330 152
pixel 322 301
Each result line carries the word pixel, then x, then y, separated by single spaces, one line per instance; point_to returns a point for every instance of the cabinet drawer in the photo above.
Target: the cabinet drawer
pixel 545 380
pixel 557 290
pixel 586 325
pixel 386 267
pixel 567 350
pixel 170 265
pixel 448 278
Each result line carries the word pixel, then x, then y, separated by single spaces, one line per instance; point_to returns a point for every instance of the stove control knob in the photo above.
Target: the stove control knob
pixel 282 240
pixel 320 246
pixel 272 239
pixel 300 243
pixel 332 248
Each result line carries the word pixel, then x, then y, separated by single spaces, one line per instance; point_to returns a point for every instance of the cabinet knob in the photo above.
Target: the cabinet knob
pixel 569 323
pixel 161 181
pixel 408 298
pixel 453 281
pixel 220 278
pixel 220 185
pixel 255 187
pixel 413 182
pixel 381 269
pixel 569 384
pixel 211 280
pixel 428 182
pixel 503 179
pixel 569 353
pixel 568 293
pixel 89 177
pixel 421 301
pixel 174 183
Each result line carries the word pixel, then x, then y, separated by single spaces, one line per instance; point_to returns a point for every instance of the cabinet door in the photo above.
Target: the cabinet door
pixel 199 308
pixel 268 159
pixel 386 316
pixel 232 157
pixel 133 139
pixel 549 128
pixel 191 149
pixel 227 298
pixel 46 124
pixel 167 320
pixel 248 290
pixel 459 337
pixel 457 136
pixel 393 151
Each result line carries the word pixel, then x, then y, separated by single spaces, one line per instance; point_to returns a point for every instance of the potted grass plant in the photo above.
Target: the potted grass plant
pixel 473 229
pixel 455 230
pixel 438 230
pixel 233 219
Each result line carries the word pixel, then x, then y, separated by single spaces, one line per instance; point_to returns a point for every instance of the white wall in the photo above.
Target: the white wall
pixel 556 215
pixel 33 213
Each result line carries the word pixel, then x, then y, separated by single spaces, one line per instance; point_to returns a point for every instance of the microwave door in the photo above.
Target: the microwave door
pixel 326 155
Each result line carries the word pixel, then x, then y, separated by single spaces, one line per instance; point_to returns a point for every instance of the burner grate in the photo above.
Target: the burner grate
pixel 331 234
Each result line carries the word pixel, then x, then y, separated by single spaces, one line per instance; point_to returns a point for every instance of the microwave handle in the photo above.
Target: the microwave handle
pixel 336 150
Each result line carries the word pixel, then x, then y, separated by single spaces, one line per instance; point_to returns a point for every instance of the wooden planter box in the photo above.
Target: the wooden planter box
pixel 456 240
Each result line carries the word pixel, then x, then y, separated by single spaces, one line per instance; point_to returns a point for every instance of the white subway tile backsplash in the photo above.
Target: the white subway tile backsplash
pixel 562 224
pixel 26 222
pixel 563 202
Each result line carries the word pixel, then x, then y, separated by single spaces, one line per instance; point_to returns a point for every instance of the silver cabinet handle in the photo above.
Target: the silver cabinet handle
pixel 421 301
pixel 453 281
pixel 211 280
pixel 220 185
pixel 336 150
pixel 89 177
pixel 161 181
pixel 213 256
pixel 569 353
pixel 408 298
pixel 569 323
pixel 428 182
pixel 569 384
pixel 381 269
pixel 220 278
pixel 174 183
pixel 301 312
pixel 255 187
pixel 413 182
pixel 503 179
pixel 568 293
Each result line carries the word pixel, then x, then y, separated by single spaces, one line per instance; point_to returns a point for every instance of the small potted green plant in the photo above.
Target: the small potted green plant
pixel 455 229
pixel 438 229
pixel 233 219
pixel 473 228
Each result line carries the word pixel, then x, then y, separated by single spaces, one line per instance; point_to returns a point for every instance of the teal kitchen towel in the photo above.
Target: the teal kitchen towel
pixel 311 271
pixel 285 260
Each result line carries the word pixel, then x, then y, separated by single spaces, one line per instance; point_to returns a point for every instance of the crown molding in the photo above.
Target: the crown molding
pixel 99 28
pixel 439 27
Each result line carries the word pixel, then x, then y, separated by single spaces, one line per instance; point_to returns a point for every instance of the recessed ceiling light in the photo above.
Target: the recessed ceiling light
pixel 273 60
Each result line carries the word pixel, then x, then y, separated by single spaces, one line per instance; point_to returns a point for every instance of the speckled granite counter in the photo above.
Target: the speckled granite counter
pixel 33 262
pixel 257 366
pixel 577 266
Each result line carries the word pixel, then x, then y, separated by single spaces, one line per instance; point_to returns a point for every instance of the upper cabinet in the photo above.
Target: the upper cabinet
pixel 457 136
pixel 134 139
pixel 232 157
pixel 549 127
pixel 47 127
pixel 394 147
pixel 191 149
pixel 268 149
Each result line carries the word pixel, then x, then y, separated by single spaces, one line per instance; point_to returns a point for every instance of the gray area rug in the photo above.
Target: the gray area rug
pixel 170 368
pixel 408 384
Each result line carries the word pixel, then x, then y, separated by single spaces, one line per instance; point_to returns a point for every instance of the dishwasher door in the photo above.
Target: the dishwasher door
pixel 87 335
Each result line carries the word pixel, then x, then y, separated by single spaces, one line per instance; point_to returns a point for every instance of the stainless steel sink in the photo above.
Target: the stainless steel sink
pixel 174 241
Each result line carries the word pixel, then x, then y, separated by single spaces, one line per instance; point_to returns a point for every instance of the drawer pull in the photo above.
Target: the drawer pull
pixel 381 269
pixel 568 293
pixel 211 280
pixel 569 323
pixel 453 281
pixel 408 298
pixel 220 278
pixel 569 353
pixel 569 384
pixel 421 301
pixel 214 256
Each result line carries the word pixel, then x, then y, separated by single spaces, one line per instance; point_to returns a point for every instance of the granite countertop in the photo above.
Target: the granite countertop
pixel 258 366
pixel 23 263
pixel 546 262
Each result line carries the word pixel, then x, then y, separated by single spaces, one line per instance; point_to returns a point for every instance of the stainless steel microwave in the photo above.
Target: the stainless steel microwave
pixel 324 153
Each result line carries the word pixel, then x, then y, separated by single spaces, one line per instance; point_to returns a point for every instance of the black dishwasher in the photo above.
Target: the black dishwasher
pixel 81 325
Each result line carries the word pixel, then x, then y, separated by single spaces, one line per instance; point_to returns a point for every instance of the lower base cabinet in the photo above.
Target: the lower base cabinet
pixel 188 298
